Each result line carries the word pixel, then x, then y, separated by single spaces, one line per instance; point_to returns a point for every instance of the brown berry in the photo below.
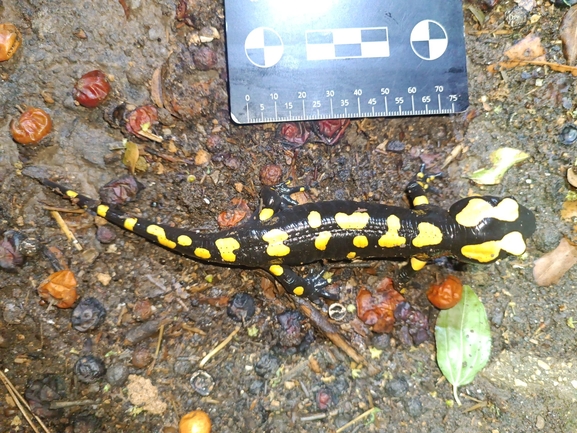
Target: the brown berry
pixel 10 40
pixel 91 89
pixel 32 126
pixel 196 421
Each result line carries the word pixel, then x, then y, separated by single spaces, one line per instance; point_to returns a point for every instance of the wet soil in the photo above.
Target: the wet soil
pixel 530 383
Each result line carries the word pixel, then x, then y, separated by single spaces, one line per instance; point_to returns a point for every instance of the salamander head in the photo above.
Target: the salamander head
pixel 495 227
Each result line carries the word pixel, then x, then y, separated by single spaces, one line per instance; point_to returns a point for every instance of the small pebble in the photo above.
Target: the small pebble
pixel 413 406
pixel 267 365
pixel 141 357
pixel 117 374
pixel 397 387
pixel 517 17
pixel 105 234
pixel 568 135
pixel 395 146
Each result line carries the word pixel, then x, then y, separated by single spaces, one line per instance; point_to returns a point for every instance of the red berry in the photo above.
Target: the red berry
pixel 31 127
pixel 91 89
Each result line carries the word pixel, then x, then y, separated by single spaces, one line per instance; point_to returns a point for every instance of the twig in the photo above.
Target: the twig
pixel 69 235
pixel 63 210
pixel 356 420
pixel 66 404
pixel 22 404
pixel 157 351
pixel 219 347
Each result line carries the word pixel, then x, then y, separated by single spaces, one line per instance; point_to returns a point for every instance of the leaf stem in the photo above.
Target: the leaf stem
pixel 456 395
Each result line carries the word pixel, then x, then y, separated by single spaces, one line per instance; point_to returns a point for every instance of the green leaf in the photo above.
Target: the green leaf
pixel 503 159
pixel 463 340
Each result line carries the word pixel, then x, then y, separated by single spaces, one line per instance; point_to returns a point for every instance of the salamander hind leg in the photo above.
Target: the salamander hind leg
pixel 417 187
pixel 311 287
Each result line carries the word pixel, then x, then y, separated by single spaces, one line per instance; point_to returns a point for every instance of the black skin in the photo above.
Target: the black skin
pixel 297 247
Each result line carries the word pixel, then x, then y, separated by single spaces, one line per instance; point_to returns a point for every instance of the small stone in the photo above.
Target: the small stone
pixel 517 17
pixel 540 422
pixel 395 146
pixel 117 374
pixel 397 387
pixel 414 407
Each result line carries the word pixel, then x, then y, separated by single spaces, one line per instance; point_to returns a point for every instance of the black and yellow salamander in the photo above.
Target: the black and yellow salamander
pixel 283 234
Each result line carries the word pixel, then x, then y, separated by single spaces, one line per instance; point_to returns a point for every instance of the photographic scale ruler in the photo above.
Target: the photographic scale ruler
pixel 296 60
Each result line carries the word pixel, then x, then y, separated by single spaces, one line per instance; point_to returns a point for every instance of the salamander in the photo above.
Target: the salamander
pixel 283 234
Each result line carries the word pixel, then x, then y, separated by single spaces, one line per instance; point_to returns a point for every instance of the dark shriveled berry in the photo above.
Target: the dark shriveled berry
pixel 241 307
pixel 88 315
pixel 89 368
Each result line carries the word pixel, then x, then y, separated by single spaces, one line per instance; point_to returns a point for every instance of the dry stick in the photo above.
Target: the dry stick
pixel 69 235
pixel 327 328
pixel 63 210
pixel 156 352
pixel 219 347
pixel 22 403
pixel 355 420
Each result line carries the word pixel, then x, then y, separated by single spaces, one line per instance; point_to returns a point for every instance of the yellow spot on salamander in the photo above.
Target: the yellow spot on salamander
pixel 322 240
pixel 184 241
pixel 275 239
pixel 478 209
pixel 513 243
pixel 202 253
pixel 71 194
pixel 299 290
pixel 160 234
pixel 391 238
pixel 360 241
pixel 351 255
pixel 265 214
pixel 354 221
pixel 102 210
pixel 429 234
pixel 315 219
pixel 276 270
pixel 420 200
pixel 417 264
pixel 227 247
pixel 129 223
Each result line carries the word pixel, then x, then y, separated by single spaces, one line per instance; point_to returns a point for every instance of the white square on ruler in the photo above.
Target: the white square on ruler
pixel 347 36
pixel 375 49
pixel 320 51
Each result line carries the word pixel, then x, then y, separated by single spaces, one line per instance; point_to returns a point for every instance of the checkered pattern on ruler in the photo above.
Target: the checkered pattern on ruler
pixel 369 42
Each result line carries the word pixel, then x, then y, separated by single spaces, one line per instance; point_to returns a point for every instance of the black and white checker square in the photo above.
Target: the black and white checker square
pixel 348 43
pixel 263 47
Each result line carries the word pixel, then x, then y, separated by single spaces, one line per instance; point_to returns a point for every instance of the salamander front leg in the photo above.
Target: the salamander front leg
pixel 277 198
pixel 410 269
pixel 311 287
pixel 416 189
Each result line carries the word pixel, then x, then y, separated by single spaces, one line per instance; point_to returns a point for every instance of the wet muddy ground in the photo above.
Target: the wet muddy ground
pixel 206 161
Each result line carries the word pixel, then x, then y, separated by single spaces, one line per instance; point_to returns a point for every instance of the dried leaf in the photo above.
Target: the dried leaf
pixel 156 87
pixel 463 338
pixel 503 159
pixel 552 266
pixel 568 34
pixel 59 288
pixel 528 48
pixel 130 157
pixel 569 210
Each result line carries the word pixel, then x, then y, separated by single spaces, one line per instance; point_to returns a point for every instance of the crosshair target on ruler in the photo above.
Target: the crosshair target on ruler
pixel 263 47
pixel 429 40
